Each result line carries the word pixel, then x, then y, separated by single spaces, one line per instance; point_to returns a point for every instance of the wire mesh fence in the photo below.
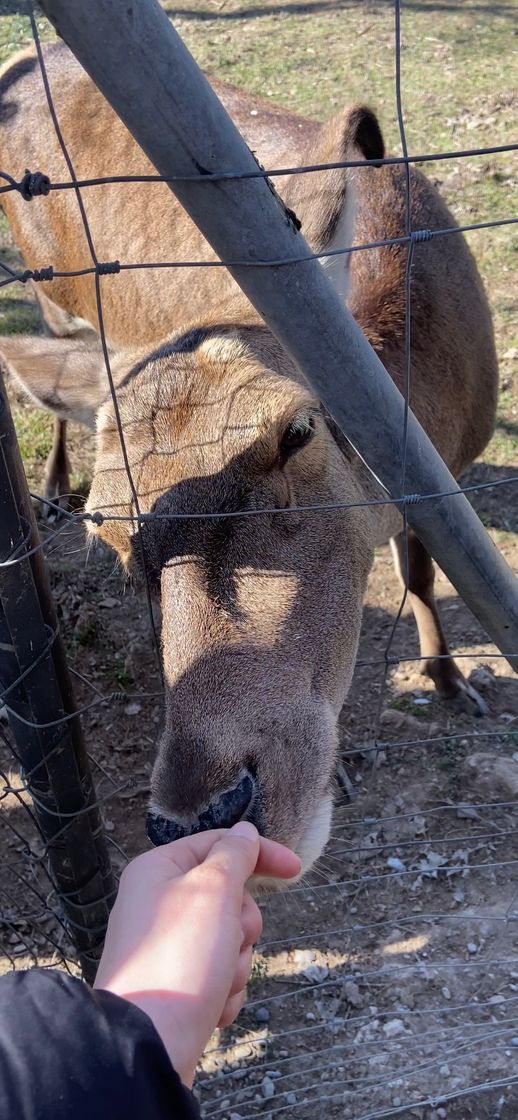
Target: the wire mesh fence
pixel 388 979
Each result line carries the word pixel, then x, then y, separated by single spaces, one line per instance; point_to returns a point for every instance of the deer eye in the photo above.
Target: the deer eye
pixel 295 436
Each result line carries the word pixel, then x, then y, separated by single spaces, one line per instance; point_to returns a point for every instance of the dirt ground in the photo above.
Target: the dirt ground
pixel 387 983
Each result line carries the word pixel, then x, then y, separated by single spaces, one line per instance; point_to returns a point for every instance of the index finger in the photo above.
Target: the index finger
pixel 276 861
pixel 273 859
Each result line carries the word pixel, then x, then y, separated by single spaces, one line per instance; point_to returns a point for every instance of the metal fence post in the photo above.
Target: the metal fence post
pixel 35 684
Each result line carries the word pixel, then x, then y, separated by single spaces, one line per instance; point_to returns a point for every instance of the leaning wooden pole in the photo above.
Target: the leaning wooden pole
pixel 137 60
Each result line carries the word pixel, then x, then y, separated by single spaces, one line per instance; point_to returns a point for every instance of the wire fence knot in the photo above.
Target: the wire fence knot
pixel 37 274
pixel 33 183
pixel 96 518
pixel 411 499
pixel 421 235
pixel 107 268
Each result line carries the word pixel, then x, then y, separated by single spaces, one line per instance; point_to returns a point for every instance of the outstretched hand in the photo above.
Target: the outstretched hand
pixel 181 934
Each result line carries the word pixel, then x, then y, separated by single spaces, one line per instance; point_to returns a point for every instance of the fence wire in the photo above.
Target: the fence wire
pixel 387 984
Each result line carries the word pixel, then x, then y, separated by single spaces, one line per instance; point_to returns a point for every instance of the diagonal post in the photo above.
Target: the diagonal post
pixel 138 61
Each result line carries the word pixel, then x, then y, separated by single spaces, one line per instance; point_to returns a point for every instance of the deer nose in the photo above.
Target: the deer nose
pixel 228 808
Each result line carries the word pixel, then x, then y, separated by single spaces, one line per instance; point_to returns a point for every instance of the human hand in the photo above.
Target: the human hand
pixel 181 934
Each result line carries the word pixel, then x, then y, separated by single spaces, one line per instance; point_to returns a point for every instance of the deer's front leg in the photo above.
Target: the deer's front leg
pixel 438 663
pixel 57 473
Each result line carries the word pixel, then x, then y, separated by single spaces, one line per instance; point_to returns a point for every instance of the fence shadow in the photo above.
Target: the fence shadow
pixel 498 507
pixel 317 7
pixel 14 8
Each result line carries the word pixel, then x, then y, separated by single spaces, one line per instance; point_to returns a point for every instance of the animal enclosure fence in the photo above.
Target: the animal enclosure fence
pixel 372 1033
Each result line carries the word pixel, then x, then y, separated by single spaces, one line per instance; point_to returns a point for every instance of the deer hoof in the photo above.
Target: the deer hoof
pixel 468 700
pixel 51 507
pixel 455 689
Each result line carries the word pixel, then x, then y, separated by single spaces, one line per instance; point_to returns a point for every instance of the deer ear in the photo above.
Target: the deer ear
pixel 63 375
pixel 324 200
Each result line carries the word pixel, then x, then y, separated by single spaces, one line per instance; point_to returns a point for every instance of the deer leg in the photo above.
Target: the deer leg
pixel 57 323
pixel 57 473
pixel 438 664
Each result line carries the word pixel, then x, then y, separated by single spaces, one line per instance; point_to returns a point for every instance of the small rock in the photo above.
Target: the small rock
pixel 267 1088
pixel 514 1041
pixel 291 1098
pixel 446 993
pixel 316 973
pixel 491 775
pixel 133 708
pixel 467 812
pixel 393 1028
pixel 310 1016
pixel 429 864
pixel 444 1070
pixel 262 1015
pixel 395 864
pixel 482 678
pixel 442 1114
pixel 472 947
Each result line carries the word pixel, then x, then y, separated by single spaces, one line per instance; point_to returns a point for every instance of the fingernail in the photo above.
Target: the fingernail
pixel 246 829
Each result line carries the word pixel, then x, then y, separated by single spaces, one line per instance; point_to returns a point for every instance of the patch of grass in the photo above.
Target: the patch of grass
pixel 421 711
pixel 121 677
pixel 15 28
pixel 18 316
pixel 34 431
pixel 259 971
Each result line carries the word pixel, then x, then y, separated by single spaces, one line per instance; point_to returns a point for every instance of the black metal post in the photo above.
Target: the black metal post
pixel 36 687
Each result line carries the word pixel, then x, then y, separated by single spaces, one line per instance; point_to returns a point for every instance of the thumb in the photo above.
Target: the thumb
pixel 236 854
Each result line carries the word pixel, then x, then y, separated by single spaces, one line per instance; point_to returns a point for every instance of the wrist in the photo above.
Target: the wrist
pixel 165 1013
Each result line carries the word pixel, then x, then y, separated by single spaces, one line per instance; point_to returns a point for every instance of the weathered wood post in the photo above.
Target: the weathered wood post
pixel 140 64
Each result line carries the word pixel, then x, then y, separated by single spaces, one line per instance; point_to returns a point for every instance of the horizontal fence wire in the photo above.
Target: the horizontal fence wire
pixel 399 998
pixel 100 268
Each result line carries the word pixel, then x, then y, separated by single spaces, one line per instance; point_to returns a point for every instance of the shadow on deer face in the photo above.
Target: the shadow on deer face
pixel 260 610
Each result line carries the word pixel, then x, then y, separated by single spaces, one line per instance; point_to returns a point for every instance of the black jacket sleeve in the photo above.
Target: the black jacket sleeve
pixel 69 1053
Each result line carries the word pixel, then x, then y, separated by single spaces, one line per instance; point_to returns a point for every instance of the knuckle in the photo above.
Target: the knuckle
pixel 213 876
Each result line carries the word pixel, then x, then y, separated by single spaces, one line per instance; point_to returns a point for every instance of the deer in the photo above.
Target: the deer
pixel 260 598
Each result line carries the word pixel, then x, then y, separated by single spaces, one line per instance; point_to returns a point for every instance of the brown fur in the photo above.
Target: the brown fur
pixel 261 614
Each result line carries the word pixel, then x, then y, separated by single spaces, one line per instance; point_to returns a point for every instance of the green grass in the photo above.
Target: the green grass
pixel 420 711
pixel 34 430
